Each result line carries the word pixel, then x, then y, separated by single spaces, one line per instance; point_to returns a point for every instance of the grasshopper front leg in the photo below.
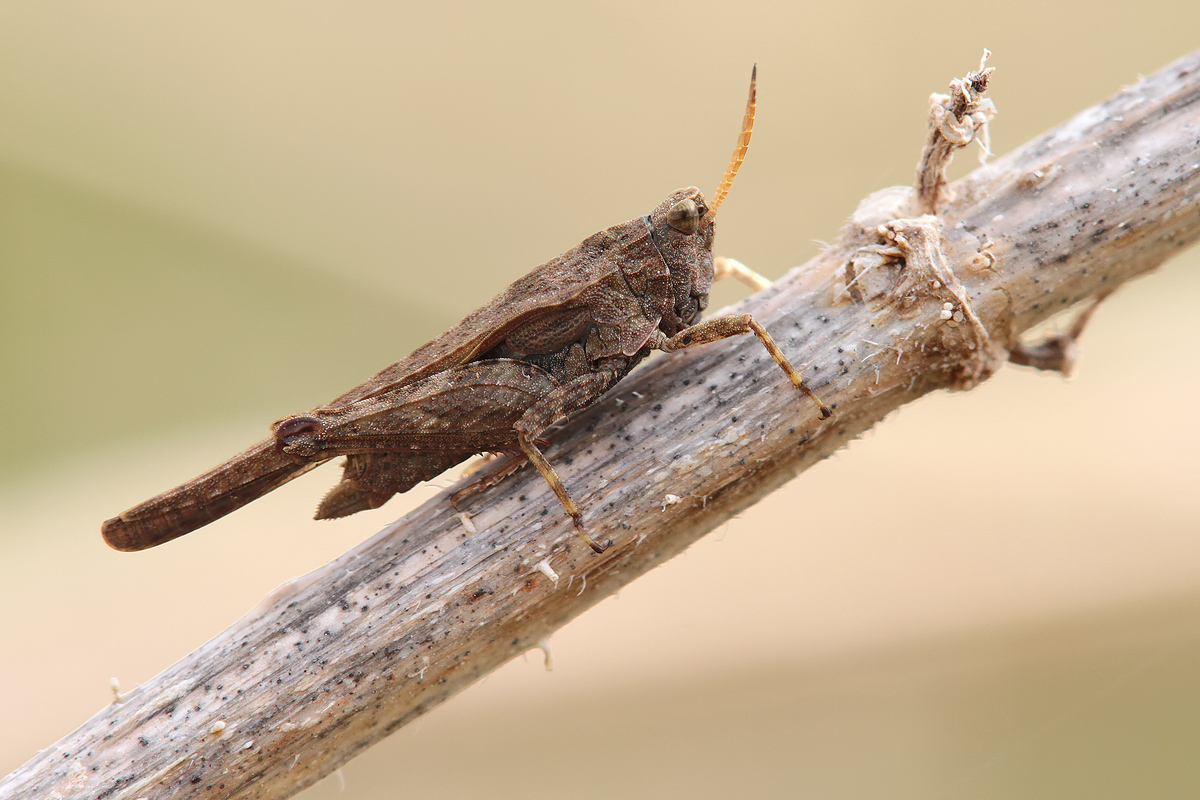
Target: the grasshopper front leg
pixel 723 327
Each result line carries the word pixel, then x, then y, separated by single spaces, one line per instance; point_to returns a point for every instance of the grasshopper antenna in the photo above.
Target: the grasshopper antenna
pixel 739 152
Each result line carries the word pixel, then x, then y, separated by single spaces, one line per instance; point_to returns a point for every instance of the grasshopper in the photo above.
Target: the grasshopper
pixel 549 345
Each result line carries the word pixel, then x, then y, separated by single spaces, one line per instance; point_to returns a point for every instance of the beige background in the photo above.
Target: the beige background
pixel 215 214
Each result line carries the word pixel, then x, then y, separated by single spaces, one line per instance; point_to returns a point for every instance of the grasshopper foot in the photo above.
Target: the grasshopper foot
pixel 592 543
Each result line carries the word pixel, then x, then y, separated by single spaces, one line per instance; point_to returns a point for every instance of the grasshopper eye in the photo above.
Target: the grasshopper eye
pixel 684 217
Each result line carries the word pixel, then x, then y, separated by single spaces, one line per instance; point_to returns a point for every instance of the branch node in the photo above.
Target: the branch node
pixel 927 273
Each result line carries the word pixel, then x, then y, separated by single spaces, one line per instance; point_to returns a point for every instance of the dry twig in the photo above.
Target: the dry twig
pixel 904 303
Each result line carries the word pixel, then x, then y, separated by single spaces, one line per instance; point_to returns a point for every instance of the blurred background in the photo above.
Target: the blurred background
pixel 213 214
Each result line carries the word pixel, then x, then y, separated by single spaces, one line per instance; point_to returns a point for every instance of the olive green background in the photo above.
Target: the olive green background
pixel 214 214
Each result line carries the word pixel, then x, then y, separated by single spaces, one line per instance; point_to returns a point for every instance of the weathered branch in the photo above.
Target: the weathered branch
pixel 901 305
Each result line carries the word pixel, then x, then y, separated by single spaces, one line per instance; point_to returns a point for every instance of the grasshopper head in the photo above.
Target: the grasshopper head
pixel 683 228
pixel 683 225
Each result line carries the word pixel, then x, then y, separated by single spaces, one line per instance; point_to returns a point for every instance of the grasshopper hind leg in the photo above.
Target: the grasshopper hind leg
pixel 345 498
pixel 512 463
pixel 370 479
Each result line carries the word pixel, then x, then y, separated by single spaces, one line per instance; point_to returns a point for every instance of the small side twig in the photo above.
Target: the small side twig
pixel 955 120
pixel 1058 352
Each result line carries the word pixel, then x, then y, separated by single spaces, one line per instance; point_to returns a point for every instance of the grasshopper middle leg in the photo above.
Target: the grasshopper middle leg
pixel 575 395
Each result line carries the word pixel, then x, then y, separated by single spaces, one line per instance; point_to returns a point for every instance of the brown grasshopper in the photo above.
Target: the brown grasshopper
pixel 551 344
